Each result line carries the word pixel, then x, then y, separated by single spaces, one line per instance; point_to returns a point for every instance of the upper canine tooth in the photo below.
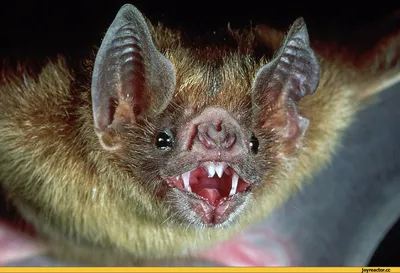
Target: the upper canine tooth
pixel 210 170
pixel 219 169
pixel 186 178
pixel 235 180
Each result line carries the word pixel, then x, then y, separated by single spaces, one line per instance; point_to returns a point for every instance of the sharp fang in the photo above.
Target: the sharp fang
pixel 219 169
pixel 177 178
pixel 210 170
pixel 185 178
pixel 235 180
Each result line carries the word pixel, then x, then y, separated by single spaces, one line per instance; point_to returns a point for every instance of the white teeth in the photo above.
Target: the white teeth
pixel 215 167
pixel 219 169
pixel 235 180
pixel 185 178
pixel 210 170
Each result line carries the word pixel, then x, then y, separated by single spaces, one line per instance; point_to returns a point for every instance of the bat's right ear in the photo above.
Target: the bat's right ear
pixel 131 78
pixel 292 74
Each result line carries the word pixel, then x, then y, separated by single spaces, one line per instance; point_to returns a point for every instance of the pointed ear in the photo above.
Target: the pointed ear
pixel 131 78
pixel 292 74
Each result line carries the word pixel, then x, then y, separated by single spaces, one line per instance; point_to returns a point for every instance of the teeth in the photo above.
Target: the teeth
pixel 185 178
pixel 219 169
pixel 235 179
pixel 210 170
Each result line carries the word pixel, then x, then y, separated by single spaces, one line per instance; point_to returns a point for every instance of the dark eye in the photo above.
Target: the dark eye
pixel 254 144
pixel 164 140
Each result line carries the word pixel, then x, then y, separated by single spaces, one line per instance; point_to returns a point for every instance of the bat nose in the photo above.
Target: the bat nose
pixel 217 135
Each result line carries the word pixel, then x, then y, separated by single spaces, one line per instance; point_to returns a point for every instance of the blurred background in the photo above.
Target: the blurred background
pixel 43 28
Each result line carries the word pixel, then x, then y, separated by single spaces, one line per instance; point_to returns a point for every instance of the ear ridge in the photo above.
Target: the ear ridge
pixel 292 74
pixel 131 78
pixel 294 70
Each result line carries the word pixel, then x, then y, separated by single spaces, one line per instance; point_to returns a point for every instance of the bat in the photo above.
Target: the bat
pixel 169 148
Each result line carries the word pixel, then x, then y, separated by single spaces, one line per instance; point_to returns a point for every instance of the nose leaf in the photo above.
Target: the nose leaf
pixel 213 135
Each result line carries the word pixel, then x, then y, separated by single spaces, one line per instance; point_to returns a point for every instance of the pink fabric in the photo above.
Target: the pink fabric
pixel 16 245
pixel 259 247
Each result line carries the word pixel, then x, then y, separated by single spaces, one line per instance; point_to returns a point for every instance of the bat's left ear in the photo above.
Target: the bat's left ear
pixel 292 74
pixel 131 78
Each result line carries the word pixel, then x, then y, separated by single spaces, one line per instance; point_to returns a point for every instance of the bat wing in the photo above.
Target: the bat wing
pixel 382 66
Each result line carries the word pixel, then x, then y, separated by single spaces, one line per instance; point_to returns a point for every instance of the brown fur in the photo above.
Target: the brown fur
pixel 61 180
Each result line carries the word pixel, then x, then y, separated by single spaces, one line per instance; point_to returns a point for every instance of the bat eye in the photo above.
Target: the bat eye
pixel 254 144
pixel 164 140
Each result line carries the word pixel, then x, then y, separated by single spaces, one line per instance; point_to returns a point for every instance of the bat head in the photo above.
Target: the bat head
pixel 200 134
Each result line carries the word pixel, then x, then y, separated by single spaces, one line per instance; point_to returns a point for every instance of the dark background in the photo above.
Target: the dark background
pixel 43 28
pixel 39 29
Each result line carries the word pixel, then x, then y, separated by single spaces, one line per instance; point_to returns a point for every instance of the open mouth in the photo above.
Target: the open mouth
pixel 211 181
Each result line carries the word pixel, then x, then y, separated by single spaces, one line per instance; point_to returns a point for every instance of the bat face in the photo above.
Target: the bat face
pixel 202 156
pixel 200 133
pixel 209 166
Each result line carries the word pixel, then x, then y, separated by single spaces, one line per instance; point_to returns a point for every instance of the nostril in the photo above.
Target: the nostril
pixel 207 141
pixel 213 135
pixel 230 140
